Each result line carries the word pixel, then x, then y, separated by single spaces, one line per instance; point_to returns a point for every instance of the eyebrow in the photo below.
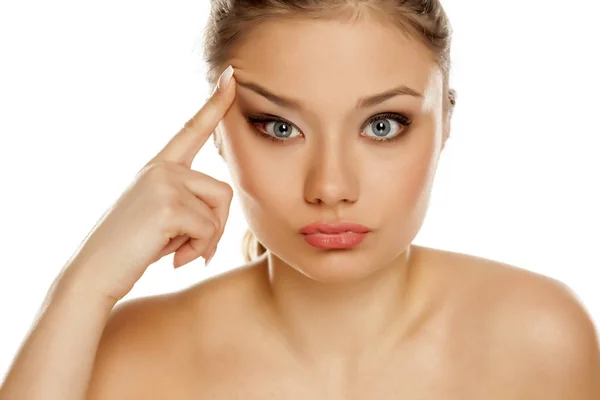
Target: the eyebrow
pixel 363 102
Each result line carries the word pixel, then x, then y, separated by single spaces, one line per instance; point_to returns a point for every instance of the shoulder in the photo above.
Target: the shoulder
pixel 141 336
pixel 149 343
pixel 538 329
pixel 551 335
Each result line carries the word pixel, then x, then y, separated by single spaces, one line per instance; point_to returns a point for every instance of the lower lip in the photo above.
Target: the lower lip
pixel 343 240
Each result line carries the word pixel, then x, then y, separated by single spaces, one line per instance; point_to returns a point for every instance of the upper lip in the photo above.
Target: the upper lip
pixel 333 227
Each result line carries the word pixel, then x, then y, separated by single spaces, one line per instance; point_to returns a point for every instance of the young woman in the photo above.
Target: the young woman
pixel 332 129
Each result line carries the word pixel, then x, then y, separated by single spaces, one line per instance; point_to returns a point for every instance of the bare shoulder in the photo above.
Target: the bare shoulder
pixel 150 345
pixel 538 330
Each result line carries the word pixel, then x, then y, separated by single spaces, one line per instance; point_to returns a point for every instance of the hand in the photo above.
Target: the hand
pixel 168 208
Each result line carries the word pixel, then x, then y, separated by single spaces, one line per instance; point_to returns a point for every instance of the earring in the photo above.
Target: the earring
pixel 452 96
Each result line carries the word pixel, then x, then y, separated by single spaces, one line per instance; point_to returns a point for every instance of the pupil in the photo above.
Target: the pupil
pixel 281 127
pixel 381 128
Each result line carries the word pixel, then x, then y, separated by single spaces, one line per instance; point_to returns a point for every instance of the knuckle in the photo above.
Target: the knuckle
pixel 156 170
pixel 167 217
pixel 170 209
pixel 166 192
pixel 207 226
pixel 227 190
pixel 199 245
pixel 213 228
pixel 145 170
pixel 161 180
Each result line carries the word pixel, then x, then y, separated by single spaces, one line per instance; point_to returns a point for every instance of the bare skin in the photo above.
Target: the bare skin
pixel 482 329
pixel 383 320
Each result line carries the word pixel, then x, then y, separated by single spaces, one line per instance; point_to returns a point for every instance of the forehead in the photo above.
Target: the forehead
pixel 316 61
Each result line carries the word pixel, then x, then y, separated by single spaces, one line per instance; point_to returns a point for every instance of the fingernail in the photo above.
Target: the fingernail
pixel 212 253
pixel 225 78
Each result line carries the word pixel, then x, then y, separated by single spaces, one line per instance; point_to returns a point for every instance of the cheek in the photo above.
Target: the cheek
pixel 403 197
pixel 254 172
pixel 265 187
pixel 408 177
pixel 418 179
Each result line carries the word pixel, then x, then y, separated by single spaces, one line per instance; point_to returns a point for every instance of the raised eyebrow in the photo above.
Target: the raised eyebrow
pixel 363 102
pixel 402 90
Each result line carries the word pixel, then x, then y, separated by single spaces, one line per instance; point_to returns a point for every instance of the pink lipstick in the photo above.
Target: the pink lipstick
pixel 340 235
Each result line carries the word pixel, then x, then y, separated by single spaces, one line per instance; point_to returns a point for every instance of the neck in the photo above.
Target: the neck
pixel 342 322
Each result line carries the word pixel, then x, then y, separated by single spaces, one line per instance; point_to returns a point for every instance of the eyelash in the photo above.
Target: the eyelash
pixel 266 118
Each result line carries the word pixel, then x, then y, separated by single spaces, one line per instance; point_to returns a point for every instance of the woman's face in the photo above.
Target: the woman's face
pixel 326 161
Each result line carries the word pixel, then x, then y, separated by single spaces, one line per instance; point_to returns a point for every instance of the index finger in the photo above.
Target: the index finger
pixel 185 145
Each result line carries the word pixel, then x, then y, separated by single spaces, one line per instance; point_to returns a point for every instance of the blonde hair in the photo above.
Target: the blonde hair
pixel 252 248
pixel 230 20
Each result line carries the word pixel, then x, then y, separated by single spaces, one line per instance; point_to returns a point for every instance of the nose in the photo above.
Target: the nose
pixel 332 175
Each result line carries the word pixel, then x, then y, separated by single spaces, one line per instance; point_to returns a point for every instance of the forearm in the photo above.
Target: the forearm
pixel 57 357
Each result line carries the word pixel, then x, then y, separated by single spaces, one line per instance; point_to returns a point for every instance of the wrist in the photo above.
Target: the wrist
pixel 72 285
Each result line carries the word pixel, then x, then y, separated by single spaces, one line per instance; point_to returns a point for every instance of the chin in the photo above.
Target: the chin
pixel 331 265
pixel 336 273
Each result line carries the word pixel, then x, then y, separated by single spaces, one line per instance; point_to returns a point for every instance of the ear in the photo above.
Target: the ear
pixel 448 122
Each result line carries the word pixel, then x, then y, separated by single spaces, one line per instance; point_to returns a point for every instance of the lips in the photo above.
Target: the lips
pixel 333 228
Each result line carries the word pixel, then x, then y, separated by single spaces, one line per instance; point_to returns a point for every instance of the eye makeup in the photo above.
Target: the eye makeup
pixel 259 120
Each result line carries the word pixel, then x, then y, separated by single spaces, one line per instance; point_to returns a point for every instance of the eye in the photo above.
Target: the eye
pixel 381 125
pixel 386 126
pixel 282 129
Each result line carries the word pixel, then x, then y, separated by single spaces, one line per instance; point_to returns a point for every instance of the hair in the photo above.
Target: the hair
pixel 230 21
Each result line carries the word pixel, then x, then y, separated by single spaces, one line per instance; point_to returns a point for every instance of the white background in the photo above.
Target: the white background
pixel 90 91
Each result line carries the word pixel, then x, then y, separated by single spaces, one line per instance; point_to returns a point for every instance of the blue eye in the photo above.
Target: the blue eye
pixel 281 129
pixel 284 130
pixel 381 127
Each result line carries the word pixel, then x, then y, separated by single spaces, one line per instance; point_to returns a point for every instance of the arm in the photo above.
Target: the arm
pixel 153 218
pixel 56 359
